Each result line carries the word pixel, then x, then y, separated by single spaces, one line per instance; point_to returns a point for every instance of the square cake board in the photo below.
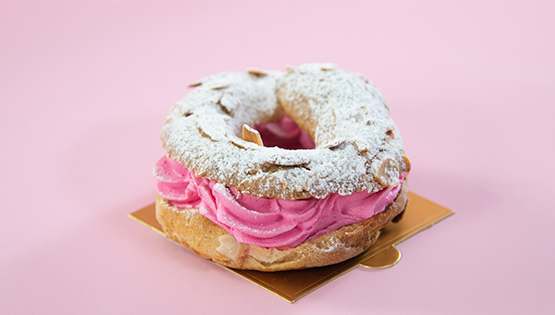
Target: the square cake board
pixel 420 214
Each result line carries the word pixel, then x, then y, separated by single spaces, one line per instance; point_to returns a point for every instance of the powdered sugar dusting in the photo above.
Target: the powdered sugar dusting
pixel 352 123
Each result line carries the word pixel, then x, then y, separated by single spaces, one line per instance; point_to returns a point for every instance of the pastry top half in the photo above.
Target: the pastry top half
pixel 357 145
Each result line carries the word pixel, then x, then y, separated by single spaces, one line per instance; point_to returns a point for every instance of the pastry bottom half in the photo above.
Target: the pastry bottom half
pixel 194 231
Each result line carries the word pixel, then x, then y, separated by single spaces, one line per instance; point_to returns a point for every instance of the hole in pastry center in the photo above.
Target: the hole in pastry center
pixel 284 134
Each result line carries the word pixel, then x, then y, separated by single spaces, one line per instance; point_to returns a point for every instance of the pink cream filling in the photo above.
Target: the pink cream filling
pixel 268 222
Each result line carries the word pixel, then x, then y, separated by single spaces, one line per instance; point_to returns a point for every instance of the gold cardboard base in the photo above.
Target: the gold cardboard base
pixel 420 214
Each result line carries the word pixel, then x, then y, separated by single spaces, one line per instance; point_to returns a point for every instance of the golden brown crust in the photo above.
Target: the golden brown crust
pixel 194 231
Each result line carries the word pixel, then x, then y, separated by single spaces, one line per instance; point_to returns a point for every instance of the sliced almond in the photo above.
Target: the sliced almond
pixel 252 135
pixel 228 103
pixel 242 143
pixel 219 87
pixel 388 173
pixel 230 247
pixel 390 134
pixel 258 73
pixel 407 163
pixel 211 123
pixel 194 84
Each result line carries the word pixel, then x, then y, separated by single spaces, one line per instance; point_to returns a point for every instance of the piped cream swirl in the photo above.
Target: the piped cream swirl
pixel 264 222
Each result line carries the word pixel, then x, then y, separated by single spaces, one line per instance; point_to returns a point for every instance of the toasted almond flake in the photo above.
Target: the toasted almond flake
pixel 390 133
pixel 252 135
pixel 230 247
pixel 407 163
pixel 258 73
pixel 242 143
pixel 220 87
pixel 388 173
pixel 195 84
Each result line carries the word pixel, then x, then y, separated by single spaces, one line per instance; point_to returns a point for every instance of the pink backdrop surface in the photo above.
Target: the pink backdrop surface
pixel 85 88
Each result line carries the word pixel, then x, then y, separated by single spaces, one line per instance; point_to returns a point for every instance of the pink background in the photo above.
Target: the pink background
pixel 85 87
